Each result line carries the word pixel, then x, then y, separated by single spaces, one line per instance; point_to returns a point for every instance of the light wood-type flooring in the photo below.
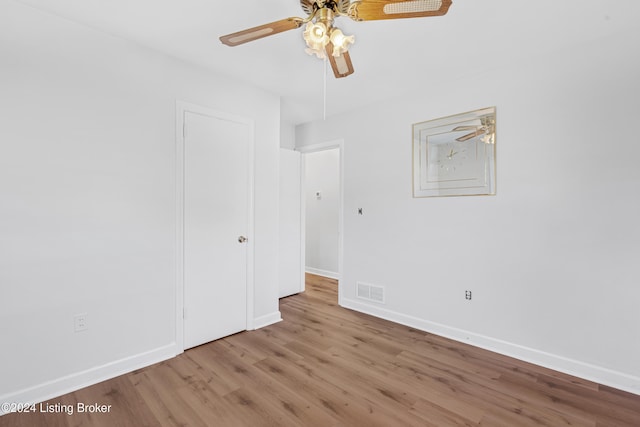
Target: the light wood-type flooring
pixel 324 365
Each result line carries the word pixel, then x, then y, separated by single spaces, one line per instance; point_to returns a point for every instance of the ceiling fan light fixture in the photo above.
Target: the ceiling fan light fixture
pixel 316 35
pixel 340 42
pixel 489 138
pixel 318 31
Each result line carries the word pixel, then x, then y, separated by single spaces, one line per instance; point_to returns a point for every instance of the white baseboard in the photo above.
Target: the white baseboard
pixel 266 320
pixel 78 380
pixel 323 273
pixel 576 368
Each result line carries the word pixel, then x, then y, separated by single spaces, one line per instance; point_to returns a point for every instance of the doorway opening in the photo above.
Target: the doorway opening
pixel 322 201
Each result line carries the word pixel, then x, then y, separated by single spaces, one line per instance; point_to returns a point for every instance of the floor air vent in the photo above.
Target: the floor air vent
pixel 370 292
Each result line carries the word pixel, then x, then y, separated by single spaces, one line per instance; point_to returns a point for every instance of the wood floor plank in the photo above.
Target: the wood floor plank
pixel 324 365
pixel 344 402
pixel 160 393
pixel 344 408
pixel 213 411
pixel 437 415
pixel 375 387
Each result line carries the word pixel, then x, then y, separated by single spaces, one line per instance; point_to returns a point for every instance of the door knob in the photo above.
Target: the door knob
pixel 242 239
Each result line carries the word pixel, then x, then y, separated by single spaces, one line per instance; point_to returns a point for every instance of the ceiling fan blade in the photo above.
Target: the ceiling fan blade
pixel 261 31
pixel 341 65
pixel 369 10
pixel 461 128
pixel 468 136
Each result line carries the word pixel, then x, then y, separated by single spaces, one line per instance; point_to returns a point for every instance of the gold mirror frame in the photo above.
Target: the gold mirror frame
pixel 455 155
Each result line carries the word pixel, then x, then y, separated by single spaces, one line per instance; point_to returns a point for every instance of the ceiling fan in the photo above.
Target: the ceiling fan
pixel 326 41
pixel 487 126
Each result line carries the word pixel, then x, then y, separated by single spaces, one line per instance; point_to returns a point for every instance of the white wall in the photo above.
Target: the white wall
pixel 322 214
pixel 552 259
pixel 87 200
pixel 287 133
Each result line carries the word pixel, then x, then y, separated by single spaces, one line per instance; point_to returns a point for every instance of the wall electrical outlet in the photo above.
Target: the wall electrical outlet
pixel 80 322
pixel 467 295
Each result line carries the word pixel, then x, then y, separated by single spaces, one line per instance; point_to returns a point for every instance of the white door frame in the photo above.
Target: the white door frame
pixel 323 146
pixel 181 109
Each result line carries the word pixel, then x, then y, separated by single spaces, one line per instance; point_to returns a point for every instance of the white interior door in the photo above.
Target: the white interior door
pixel 290 257
pixel 216 224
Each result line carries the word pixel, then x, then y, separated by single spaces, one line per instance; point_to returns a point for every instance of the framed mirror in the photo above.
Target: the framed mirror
pixel 455 155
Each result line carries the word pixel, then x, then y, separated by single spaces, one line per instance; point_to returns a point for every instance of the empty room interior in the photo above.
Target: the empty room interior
pixel 319 212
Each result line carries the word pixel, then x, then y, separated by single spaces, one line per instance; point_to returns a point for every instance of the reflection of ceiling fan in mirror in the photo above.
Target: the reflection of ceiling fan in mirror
pixel 487 128
pixel 326 41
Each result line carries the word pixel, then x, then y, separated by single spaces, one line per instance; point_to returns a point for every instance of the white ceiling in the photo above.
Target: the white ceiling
pixel 390 57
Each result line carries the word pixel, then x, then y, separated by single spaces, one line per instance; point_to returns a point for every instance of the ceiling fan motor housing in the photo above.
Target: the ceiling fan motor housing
pixel 339 6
